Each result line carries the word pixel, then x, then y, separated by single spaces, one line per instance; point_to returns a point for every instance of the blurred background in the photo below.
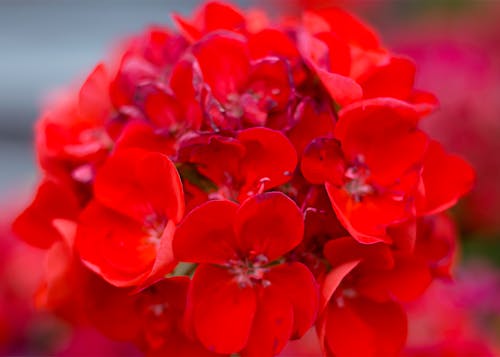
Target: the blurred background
pixel 48 44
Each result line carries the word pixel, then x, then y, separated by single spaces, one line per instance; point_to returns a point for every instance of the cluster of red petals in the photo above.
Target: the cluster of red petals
pixel 225 187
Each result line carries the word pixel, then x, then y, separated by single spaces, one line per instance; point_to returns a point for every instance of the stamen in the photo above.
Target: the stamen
pixel 358 175
pixel 249 272
pixel 153 226
pixel 350 293
pixel 158 309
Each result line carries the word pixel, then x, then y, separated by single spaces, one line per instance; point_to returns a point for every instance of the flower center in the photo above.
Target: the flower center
pixel 252 106
pixel 345 294
pixel 153 226
pixel 233 106
pixel 249 271
pixel 357 176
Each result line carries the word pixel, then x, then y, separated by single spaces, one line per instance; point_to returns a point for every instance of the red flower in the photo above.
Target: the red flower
pixel 237 92
pixel 125 233
pixel 373 170
pixel 242 298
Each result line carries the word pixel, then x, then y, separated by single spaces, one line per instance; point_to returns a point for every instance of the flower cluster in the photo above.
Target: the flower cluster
pixel 227 186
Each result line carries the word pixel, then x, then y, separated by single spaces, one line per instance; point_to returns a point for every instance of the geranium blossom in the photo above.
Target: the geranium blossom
pixel 125 234
pixel 241 289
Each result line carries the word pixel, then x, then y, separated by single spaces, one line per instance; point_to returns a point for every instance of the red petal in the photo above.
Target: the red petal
pixel 342 89
pixel 139 184
pixel 402 113
pixel 269 76
pixel 346 27
pixel 160 46
pixel 314 23
pixel 445 179
pixel 272 42
pixel 163 110
pixel 272 325
pixel 187 29
pixel 409 278
pixel 362 327
pixel 339 55
pixel 35 225
pixel 180 345
pixel 206 234
pixel 104 306
pixel 162 184
pixel 222 16
pixel 224 63
pixel 383 132
pixel 270 224
pixel 394 79
pixel 216 149
pixel 118 248
pixel 423 102
pixel 94 99
pixel 404 235
pixel 269 156
pixel 437 243
pixel 313 123
pixel 211 17
pixel 60 288
pixel 323 161
pixel 165 261
pixel 133 70
pixel 368 220
pixel 143 323
pixel 138 134
pixel 333 280
pixel 223 313
pixel 161 308
pixel 296 284
pixel 371 257
pixel 181 83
